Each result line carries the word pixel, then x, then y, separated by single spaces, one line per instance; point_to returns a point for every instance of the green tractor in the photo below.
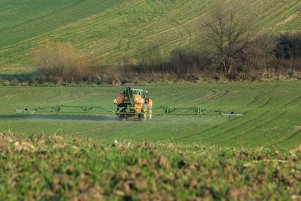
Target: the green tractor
pixel 133 103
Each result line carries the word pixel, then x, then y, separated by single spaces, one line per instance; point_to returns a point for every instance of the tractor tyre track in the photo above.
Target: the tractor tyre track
pixel 293 101
pixel 259 125
pixel 237 126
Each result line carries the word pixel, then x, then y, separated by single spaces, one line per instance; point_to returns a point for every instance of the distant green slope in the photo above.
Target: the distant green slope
pixel 112 30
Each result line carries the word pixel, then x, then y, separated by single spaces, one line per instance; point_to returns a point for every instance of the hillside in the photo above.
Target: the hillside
pixel 112 31
pixel 58 168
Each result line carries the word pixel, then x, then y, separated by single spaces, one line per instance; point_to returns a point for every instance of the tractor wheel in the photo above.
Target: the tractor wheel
pixel 142 116
pixel 121 117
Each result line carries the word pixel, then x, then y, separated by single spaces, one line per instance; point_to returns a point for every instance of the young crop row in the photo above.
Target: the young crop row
pixel 57 168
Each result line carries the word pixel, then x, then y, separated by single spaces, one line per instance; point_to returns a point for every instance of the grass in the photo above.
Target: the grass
pixel 271 114
pixel 112 31
pixel 63 168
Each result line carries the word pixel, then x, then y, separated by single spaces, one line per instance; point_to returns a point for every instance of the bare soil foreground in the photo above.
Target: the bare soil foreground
pixel 65 168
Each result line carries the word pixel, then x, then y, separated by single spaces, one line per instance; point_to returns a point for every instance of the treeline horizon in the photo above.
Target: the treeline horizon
pixel 266 57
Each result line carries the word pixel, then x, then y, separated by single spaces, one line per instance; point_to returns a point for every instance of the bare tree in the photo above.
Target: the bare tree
pixel 226 32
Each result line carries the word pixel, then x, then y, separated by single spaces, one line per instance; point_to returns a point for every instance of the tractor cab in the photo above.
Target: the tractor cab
pixel 130 92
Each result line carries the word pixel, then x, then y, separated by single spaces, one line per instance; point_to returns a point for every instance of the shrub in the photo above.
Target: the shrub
pixel 61 61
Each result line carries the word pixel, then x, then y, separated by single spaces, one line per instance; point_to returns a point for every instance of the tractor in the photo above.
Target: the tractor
pixel 133 103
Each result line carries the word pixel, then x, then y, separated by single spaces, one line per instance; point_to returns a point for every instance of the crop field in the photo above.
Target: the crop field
pixel 64 168
pixel 112 31
pixel 271 114
pixel 62 140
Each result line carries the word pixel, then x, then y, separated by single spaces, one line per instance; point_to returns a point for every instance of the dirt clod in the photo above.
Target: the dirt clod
pixel 162 161
pixel 24 146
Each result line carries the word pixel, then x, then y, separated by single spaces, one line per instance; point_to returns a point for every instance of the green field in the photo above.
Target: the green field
pixel 271 114
pixel 112 31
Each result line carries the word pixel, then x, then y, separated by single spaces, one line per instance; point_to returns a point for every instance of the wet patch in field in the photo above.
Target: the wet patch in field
pixel 72 117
